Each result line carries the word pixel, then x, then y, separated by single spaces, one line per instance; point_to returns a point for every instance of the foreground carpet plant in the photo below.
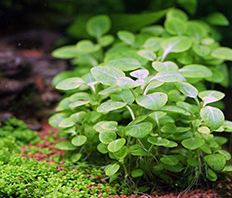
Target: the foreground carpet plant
pixel 142 101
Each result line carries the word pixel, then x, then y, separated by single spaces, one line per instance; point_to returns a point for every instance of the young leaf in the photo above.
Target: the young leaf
pixel 106 40
pixel 111 169
pixel 87 47
pixel 107 75
pixel 187 89
pixel 196 30
pixel 155 30
pixel 137 150
pixel 175 44
pixel 107 136
pixel 79 140
pixel 98 25
pixel 177 14
pixel 110 105
pixel 227 125
pixel 216 161
pixel 225 153
pixel 56 119
pixel 78 103
pixel 65 123
pixel 174 26
pixel 65 145
pixel 158 141
pixel 212 117
pixel 195 71
pixel 224 53
pixel 78 117
pixel 121 153
pixel 175 109
pixel 152 44
pixel 171 160
pixel 128 83
pixel 76 157
pixel 115 145
pixel 70 83
pixel 137 173
pixel 139 130
pixel 69 51
pixel 211 96
pixel 149 55
pixel 169 76
pixel 124 95
pixel 140 74
pixel 164 66
pixel 217 18
pixel 201 50
pixel 169 128
pixel 126 37
pixel 106 126
pixel 153 101
pixel 124 64
pixel 192 143
pixel 102 148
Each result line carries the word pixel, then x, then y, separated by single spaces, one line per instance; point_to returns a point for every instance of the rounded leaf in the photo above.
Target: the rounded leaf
pixel 171 160
pixel 111 169
pixel 128 83
pixel 216 161
pixel 211 96
pixel 140 74
pixel 121 153
pixel 65 145
pixel 115 145
pixel 164 66
pixel 212 117
pixel 169 76
pixel 79 140
pixel 110 106
pixel 65 123
pixel 224 53
pixel 98 25
pixel 107 136
pixel 126 37
pixel 107 75
pixel 147 54
pixel 124 64
pixel 137 173
pixel 158 141
pixel 153 101
pixel 56 119
pixel 195 71
pixel 139 130
pixel 187 89
pixel 102 148
pixel 69 51
pixel 192 143
pixel 70 83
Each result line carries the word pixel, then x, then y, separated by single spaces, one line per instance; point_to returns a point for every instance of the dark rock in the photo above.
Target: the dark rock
pixel 32 124
pixel 4 116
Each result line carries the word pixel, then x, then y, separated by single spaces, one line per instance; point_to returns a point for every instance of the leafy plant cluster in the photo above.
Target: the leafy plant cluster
pixel 142 100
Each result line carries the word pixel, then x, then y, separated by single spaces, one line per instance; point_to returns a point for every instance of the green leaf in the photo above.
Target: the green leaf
pixel 192 143
pixel 128 83
pixel 227 168
pixel 212 117
pixel 175 26
pixel 227 125
pixel 78 103
pixel 87 47
pixel 169 76
pixel 224 53
pixel 70 83
pixel 110 105
pixel 177 14
pixel 115 145
pixel 193 162
pixel 169 128
pixel 121 153
pixel 110 90
pixel 225 153
pixel 137 150
pixel 102 148
pixel 76 157
pixel 164 66
pixel 196 30
pixel 187 89
pixel 56 119
pixel 125 95
pixel 175 44
pixel 155 30
pixel 65 145
pixel 195 71
pixel 158 141
pixel 79 140
pixel 149 55
pixel 217 18
pixel 211 175
pixel 80 96
pixel 171 160
pixel 98 25
pixel 78 117
pixel 65 123
pixel 126 37
pixel 124 64
pixel 107 136
pixel 140 74
pixel 69 51
pixel 204 130
pixel 217 76
pixel 201 50
pixel 107 75
pixel 137 173
pixel 152 44
pixel 216 161
pixel 106 126
pixel 139 130
pixel 211 96
pixel 171 144
pixel 111 169
pixel 189 5
pixel 153 101
pixel 106 40
pixel 175 109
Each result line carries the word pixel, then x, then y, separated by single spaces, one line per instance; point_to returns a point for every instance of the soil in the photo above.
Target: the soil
pixel 45 134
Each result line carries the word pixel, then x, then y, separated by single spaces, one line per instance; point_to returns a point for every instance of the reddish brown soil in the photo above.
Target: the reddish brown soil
pixel 44 135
